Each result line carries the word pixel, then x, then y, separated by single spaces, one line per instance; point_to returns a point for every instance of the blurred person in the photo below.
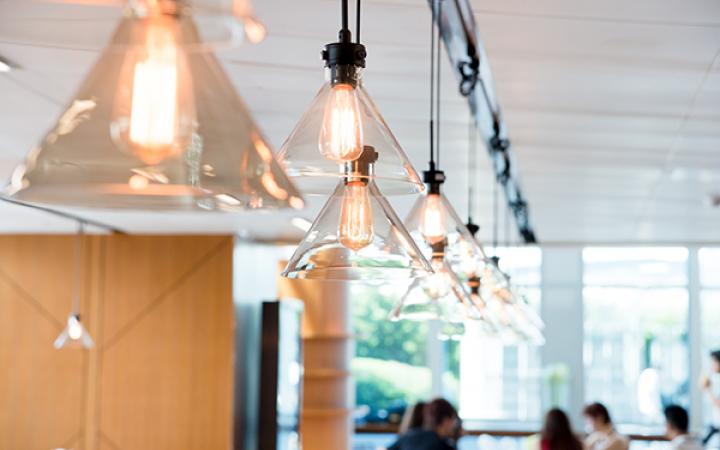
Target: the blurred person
pixel 711 385
pixel 676 429
pixel 557 434
pixel 602 434
pixel 439 428
pixel 413 418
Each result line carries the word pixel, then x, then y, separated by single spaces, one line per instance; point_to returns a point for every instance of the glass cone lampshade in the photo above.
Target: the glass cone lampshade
pixel 431 220
pixel 339 122
pixel 74 335
pixel 357 236
pixel 158 125
pixel 439 296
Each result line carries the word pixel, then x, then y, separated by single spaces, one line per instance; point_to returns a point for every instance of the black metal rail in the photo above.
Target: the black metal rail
pixel 467 55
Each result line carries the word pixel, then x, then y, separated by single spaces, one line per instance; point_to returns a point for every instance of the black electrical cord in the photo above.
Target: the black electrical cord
pixel 432 87
pixel 495 217
pixel 472 153
pixel 437 80
pixel 357 22
pixel 344 14
pixel 507 225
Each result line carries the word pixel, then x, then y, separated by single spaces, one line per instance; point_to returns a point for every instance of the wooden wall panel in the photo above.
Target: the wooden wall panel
pixel 160 377
pixel 41 389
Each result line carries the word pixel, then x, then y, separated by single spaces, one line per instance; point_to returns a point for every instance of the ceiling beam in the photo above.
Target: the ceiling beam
pixel 467 55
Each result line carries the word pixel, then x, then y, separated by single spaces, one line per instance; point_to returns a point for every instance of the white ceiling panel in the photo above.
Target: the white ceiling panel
pixel 613 107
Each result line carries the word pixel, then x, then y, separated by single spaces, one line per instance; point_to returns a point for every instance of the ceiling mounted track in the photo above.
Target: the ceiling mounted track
pixel 467 55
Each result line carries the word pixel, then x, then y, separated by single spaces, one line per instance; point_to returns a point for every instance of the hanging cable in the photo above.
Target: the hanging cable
pixel 507 225
pixel 495 217
pixel 357 22
pixel 344 15
pixel 432 87
pixel 78 263
pixel 437 81
pixel 471 166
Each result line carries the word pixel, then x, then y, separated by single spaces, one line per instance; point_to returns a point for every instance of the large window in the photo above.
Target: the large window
pixel 709 268
pixel 502 382
pixel 390 367
pixel 635 344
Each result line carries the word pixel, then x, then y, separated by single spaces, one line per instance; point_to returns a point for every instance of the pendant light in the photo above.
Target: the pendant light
pixel 432 218
pixel 357 235
pixel 343 143
pixel 156 124
pixel 75 335
pixel 341 120
pixel 439 296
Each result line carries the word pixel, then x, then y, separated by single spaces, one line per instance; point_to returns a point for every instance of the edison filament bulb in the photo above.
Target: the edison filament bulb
pixel 341 135
pixel 432 223
pixel 154 114
pixel 356 225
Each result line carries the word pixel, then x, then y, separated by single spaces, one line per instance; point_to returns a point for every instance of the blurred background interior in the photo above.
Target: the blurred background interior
pixel 582 138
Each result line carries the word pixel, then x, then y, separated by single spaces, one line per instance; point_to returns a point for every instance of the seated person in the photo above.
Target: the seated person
pixel 440 426
pixel 676 429
pixel 557 434
pixel 602 432
pixel 413 418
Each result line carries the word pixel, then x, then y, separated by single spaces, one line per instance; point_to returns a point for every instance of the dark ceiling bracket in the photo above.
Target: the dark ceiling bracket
pixel 467 55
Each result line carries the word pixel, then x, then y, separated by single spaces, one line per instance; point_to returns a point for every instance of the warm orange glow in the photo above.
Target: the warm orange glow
pixel 432 223
pixel 154 104
pixel 138 182
pixel 154 113
pixel 254 29
pixel 437 285
pixel 356 225
pixel 341 133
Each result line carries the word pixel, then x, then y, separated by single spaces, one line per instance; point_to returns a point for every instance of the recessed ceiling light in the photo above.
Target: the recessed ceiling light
pixel 4 66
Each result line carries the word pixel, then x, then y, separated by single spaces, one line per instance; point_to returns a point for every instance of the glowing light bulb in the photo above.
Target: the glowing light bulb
pixel 432 224
pixel 154 114
pixel 341 136
pixel 356 225
pixel 436 285
pixel 74 328
pixel 469 261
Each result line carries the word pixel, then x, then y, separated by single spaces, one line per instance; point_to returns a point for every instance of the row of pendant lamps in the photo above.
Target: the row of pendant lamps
pixel 157 125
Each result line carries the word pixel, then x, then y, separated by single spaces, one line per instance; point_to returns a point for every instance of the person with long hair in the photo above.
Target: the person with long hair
pixel 557 434
pixel 413 418
pixel 440 425
pixel 603 435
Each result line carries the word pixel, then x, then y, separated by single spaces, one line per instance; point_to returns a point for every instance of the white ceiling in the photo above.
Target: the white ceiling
pixel 613 107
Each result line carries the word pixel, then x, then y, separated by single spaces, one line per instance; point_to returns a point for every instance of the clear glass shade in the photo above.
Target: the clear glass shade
pixel 158 125
pixel 439 296
pixel 357 236
pixel 339 122
pixel 74 335
pixel 518 321
pixel 432 219
pixel 221 23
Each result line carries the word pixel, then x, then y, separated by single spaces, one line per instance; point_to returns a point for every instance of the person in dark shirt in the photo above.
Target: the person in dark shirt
pixel 440 426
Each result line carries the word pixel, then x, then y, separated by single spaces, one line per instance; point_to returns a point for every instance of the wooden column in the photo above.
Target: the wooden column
pixel 326 417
